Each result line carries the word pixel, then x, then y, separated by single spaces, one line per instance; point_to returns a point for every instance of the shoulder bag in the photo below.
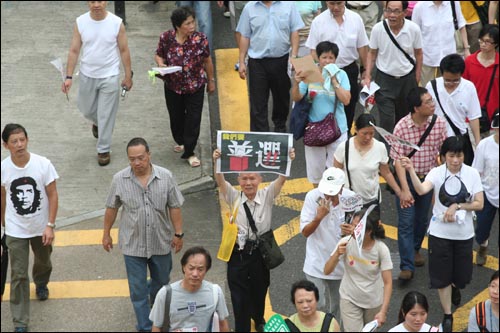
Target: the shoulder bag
pixel 410 59
pixel 484 121
pixel 269 249
pixel 324 132
pixel 299 117
pixel 468 150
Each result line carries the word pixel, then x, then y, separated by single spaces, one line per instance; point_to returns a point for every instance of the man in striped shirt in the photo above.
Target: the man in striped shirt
pixel 150 225
pixel 413 220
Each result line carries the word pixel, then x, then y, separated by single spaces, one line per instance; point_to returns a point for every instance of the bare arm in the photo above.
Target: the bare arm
pixel 321 211
pixel 176 219
pixel 363 59
pixel 125 55
pixel 281 179
pixel 420 188
pixel 53 198
pixel 74 52
pixel 109 219
pixel 463 35
pixel 406 198
pixel 155 329
pixel 381 316
pixel 296 95
pixel 342 94
pixel 294 41
pixel 209 69
pixel 4 194
pixel 492 11
pixel 244 43
pixel 219 177
pixel 334 259
pixel 370 63
pixel 224 326
pixel 419 56
pixel 474 125
pixel 389 178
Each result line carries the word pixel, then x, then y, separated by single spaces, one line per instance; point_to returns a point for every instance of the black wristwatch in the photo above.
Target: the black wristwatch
pixel 179 235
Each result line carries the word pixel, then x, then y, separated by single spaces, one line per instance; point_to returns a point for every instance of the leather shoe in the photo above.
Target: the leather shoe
pixel 103 159
pixel 447 324
pixel 405 275
pixel 95 131
pixel 456 296
pixel 419 259
pixel 42 292
pixel 481 255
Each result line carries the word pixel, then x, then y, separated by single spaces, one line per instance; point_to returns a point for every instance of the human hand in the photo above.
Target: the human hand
pixel 107 242
pixel 366 80
pixel 291 153
pixel 342 248
pixel 381 317
pixel 127 83
pixel 323 208
pixel 66 85
pixel 346 229
pixel 406 199
pixel 211 86
pixel 406 163
pixel 216 154
pixel 449 215
pixel 298 77
pixel 48 236
pixel 177 244
pixel 242 70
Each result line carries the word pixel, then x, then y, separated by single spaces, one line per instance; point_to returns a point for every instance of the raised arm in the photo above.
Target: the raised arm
pixel 219 177
pixel 281 179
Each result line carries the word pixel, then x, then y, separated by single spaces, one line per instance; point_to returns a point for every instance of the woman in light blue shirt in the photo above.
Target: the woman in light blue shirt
pixel 323 95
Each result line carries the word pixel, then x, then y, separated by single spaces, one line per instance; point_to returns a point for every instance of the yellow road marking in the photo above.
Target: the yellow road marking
pixel 82 237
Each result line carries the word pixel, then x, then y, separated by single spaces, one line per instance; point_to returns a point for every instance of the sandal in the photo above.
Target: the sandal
pixel 194 161
pixel 178 148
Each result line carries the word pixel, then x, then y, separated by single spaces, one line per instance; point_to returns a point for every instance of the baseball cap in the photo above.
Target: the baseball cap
pixel 494 122
pixel 332 181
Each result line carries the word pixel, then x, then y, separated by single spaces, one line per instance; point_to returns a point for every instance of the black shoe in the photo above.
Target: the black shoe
pixel 456 297
pixel 95 131
pixel 260 327
pixel 103 159
pixel 447 324
pixel 42 293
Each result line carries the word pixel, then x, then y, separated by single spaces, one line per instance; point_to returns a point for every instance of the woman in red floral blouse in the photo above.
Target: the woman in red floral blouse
pixel 184 90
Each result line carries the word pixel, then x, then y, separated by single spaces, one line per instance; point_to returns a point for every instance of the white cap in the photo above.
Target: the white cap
pixel 332 181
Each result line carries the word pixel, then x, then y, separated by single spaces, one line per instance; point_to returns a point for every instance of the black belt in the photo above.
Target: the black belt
pixel 356 7
pixel 396 77
pixel 249 248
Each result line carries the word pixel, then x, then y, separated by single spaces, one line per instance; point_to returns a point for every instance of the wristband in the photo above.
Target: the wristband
pixel 51 225
pixel 179 235
pixel 69 77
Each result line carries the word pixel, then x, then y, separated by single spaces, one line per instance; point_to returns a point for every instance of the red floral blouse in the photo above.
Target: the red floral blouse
pixel 190 56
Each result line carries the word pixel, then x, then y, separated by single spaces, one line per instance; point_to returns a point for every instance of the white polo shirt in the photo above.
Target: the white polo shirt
pixel 460 104
pixel 349 36
pixel 438 30
pixel 390 59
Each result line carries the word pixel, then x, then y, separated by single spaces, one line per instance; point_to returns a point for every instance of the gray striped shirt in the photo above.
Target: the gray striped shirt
pixel 145 228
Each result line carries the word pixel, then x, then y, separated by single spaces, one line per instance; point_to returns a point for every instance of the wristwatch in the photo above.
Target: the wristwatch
pixel 459 207
pixel 336 86
pixel 179 235
pixel 52 225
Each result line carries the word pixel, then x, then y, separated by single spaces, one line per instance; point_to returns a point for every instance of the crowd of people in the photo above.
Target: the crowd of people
pixel 440 101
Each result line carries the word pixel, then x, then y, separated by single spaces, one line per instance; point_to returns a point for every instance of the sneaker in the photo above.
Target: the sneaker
pixel 481 255
pixel 405 275
pixel 447 324
pixel 237 66
pixel 21 329
pixel 95 131
pixel 227 14
pixel 103 159
pixel 42 293
pixel 456 296
pixel 419 259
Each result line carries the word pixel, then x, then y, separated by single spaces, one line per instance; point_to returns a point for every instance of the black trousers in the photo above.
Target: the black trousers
pixel 352 72
pixel 185 118
pixel 264 75
pixel 248 280
pixel 5 263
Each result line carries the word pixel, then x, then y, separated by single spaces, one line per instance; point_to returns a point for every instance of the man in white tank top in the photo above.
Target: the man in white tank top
pixel 101 37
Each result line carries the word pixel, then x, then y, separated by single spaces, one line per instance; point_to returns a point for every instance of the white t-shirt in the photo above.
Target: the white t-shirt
pixel 349 37
pixel 362 283
pixel 27 209
pixel 100 54
pixel 390 59
pixel 438 30
pixel 191 311
pixel 460 104
pixel 486 162
pixel 363 169
pixel 401 328
pixel 453 230
pixel 326 236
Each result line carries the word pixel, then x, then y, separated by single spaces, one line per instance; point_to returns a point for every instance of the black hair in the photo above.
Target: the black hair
pixel 491 30
pixel 364 120
pixel 454 144
pixel 138 142
pixel 304 284
pixel 494 276
pixel 181 14
pixel 414 98
pixel 372 223
pixel 326 46
pixel 405 4
pixel 194 251
pixel 452 63
pixel 411 299
pixel 10 129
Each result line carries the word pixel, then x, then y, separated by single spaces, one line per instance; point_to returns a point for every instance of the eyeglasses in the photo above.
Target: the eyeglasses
pixel 487 42
pixel 430 101
pixel 391 11
pixel 450 82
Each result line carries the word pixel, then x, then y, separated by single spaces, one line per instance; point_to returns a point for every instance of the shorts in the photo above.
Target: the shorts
pixel 450 261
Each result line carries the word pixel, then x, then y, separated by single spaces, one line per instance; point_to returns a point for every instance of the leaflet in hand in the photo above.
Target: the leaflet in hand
pixel 167 70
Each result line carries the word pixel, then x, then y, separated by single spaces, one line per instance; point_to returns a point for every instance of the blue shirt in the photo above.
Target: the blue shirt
pixel 323 100
pixel 269 28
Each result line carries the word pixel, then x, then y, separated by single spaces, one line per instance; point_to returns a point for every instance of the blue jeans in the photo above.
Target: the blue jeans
pixel 485 219
pixel 140 289
pixel 203 17
pixel 412 226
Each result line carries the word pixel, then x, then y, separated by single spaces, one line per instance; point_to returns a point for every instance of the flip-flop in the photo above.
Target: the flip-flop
pixel 194 161
pixel 178 148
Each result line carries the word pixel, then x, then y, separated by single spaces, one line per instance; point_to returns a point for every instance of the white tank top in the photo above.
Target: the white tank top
pixel 100 53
